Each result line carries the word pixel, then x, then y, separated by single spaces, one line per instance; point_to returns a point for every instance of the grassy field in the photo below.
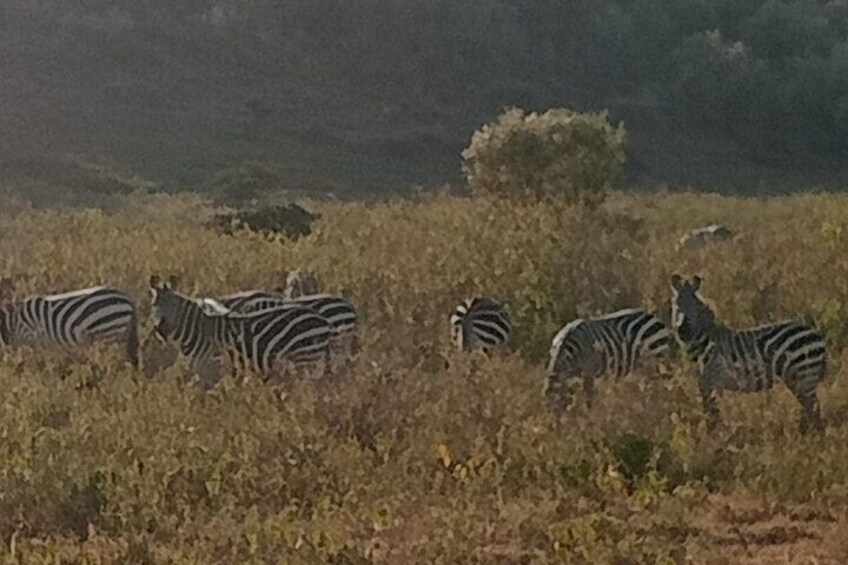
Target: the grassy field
pixel 402 460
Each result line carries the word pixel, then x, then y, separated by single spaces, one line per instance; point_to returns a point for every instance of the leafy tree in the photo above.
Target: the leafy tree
pixel 559 152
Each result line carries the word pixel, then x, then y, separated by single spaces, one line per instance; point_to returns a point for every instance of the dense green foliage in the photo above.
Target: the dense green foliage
pixel 378 91
pixel 290 221
pixel 402 460
pixel 575 157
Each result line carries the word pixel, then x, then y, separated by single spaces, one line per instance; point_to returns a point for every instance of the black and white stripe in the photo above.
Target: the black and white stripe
pixel 480 323
pixel 338 311
pixel 748 360
pixel 77 318
pixel 263 341
pixel 614 344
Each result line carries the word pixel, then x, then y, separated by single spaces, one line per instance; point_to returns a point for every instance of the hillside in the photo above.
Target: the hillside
pixel 172 94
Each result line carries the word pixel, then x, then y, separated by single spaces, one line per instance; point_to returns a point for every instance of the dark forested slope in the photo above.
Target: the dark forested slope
pixel 745 94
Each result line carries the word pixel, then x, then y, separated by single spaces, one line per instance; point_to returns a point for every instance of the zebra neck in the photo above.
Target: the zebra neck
pixel 699 345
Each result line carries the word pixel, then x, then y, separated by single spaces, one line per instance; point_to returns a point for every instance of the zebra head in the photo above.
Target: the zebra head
pixel 7 289
pixel 9 309
pixel 691 317
pixel 297 283
pixel 168 306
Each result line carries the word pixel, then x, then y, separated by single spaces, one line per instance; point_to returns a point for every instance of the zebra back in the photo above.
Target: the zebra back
pixel 340 313
pixel 98 314
pixel 610 344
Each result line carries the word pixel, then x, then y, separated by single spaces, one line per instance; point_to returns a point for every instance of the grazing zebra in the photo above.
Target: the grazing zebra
pixel 99 314
pixel 614 344
pixel 748 360
pixel 339 312
pixel 480 323
pixel 262 341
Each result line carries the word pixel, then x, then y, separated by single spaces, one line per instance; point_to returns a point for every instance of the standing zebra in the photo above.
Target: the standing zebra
pixel 338 311
pixel 99 314
pixel 262 341
pixel 748 360
pixel 613 344
pixel 480 323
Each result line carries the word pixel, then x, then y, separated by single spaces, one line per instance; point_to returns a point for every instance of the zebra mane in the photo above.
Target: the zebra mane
pixel 559 338
pixel 212 307
pixel 618 313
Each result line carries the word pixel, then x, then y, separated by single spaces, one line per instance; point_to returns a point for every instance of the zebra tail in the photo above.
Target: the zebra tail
pixel 133 341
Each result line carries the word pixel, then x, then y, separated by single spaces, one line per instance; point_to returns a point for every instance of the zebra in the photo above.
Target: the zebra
pixel 261 341
pixel 614 344
pixel 748 360
pixel 480 323
pixel 297 284
pixel 338 311
pixel 700 237
pixel 78 318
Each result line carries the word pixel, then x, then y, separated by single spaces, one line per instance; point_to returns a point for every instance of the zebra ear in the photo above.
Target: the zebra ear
pixel 676 282
pixel 696 282
pixel 7 288
pixel 173 282
pixel 155 281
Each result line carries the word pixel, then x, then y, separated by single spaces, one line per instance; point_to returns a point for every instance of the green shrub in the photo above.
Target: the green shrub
pixel 291 221
pixel 557 153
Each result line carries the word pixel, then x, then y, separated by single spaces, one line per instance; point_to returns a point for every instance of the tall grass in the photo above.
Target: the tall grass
pixel 402 460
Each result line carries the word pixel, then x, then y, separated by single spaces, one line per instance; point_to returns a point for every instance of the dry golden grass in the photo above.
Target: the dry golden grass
pixel 402 460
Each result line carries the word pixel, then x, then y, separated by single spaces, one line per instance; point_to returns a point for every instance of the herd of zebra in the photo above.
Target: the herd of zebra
pixel 616 344
pixel 295 328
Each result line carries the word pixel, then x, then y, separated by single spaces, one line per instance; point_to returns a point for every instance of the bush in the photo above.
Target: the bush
pixel 558 153
pixel 291 221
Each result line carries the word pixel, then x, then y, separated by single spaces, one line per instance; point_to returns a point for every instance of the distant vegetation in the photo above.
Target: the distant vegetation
pixel 291 221
pixel 402 460
pixel 558 153
pixel 751 94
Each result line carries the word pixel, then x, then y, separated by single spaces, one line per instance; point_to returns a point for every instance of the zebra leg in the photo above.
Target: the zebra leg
pixel 355 346
pixel 132 342
pixel 589 390
pixel 327 362
pixel 811 412
pixel 708 401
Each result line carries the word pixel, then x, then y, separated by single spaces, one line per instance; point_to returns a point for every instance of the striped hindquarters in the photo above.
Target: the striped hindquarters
pixel 85 316
pixel 340 313
pixel 480 323
pixel 790 350
pixel 288 333
pixel 612 344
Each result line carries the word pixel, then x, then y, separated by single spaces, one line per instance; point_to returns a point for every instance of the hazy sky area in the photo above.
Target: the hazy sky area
pixel 378 94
